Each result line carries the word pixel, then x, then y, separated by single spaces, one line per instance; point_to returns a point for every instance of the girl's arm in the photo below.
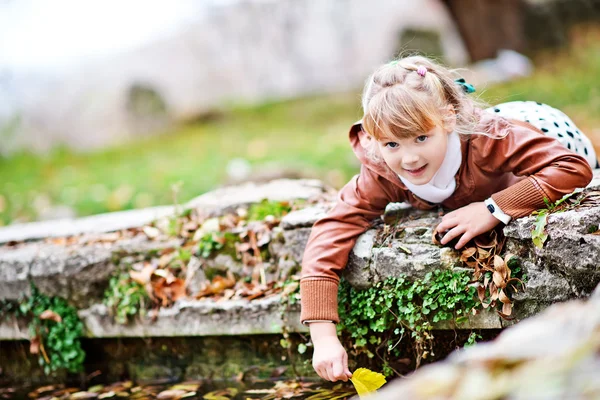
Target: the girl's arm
pixel 362 200
pixel 551 170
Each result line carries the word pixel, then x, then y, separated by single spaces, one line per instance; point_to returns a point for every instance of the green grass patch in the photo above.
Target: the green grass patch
pixel 307 134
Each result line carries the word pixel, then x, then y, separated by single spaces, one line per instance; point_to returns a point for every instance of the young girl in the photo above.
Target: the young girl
pixel 423 140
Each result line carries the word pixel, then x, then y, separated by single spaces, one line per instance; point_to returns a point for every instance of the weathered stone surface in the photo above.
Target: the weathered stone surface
pixel 220 201
pixel 295 242
pixel 94 224
pixel 554 355
pixel 185 318
pixel 304 218
pixel 79 273
pixel 216 202
pixel 358 272
pixel 197 318
pixel 565 268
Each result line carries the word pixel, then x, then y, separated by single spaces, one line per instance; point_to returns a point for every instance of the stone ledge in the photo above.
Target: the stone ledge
pixel 215 202
pixel 80 272
pixel 209 318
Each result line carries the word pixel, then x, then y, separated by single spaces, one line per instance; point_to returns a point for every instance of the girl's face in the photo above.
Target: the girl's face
pixel 416 159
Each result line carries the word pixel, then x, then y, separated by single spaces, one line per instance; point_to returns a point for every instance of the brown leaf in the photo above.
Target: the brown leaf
pixel 219 284
pixel 493 291
pixel 481 293
pixel 263 239
pixel 151 232
pixel 290 288
pixel 34 345
pixel 171 394
pixel 177 289
pixel 506 310
pixel 498 262
pixel 242 247
pixel 51 315
pixel 83 396
pixel 482 254
pixel 503 297
pixel 498 279
pixel 165 259
pixel 144 276
pixel 467 253
pixel 159 292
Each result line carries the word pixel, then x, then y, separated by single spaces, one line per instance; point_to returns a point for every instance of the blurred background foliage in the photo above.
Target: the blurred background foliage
pixel 303 137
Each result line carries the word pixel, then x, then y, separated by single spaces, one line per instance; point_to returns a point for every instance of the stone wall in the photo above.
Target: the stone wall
pixel 78 269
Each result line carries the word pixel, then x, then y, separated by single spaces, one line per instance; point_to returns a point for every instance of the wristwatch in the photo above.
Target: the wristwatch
pixel 496 211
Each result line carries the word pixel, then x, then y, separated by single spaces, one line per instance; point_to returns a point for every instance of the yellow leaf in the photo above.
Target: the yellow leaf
pixel 366 381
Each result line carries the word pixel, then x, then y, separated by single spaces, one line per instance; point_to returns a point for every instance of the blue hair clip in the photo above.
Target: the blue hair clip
pixel 467 87
pixel 393 62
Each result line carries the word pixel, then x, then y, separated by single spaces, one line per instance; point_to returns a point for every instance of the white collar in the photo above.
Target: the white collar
pixel 443 184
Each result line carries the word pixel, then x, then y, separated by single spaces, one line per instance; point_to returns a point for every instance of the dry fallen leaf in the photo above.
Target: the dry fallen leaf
pixel 143 277
pixel 51 315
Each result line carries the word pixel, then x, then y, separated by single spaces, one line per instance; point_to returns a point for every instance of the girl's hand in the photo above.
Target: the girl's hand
pixel 468 221
pixel 330 359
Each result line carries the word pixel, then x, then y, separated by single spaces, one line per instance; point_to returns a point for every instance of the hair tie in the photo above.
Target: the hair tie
pixel 466 87
pixel 421 70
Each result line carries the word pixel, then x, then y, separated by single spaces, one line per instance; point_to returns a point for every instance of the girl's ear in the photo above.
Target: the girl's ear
pixel 450 119
pixel 365 139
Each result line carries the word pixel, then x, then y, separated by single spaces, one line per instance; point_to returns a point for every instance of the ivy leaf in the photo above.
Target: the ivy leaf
pixel 366 381
pixel 538 234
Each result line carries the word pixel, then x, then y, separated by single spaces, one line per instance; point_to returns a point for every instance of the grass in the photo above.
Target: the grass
pixel 307 134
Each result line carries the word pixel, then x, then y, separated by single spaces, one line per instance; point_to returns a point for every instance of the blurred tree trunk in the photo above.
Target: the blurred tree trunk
pixel 489 25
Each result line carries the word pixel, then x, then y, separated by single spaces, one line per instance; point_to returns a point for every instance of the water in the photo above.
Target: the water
pixel 232 390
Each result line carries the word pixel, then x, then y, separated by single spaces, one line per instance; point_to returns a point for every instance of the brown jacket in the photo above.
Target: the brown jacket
pixel 517 171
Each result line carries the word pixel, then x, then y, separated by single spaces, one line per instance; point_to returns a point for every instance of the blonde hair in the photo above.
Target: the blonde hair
pixel 398 102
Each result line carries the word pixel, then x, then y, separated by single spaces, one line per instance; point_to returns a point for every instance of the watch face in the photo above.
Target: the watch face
pixel 491 208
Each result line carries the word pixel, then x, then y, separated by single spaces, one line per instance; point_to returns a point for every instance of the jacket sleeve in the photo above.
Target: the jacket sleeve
pixel 551 170
pixel 332 238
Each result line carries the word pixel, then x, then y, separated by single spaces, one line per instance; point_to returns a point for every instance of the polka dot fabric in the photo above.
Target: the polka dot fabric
pixel 552 122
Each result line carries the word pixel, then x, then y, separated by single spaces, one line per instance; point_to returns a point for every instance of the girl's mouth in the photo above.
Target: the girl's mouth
pixel 416 172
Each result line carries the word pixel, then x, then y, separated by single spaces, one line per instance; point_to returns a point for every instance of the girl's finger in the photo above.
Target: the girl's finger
pixel 337 370
pixel 332 378
pixel 452 233
pixel 447 224
pixel 320 373
pixel 464 240
pixel 345 364
pixel 449 215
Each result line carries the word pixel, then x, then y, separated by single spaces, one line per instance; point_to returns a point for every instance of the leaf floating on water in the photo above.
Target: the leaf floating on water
pixel 83 396
pixel 225 394
pixel 171 394
pixel 191 387
pixel 366 381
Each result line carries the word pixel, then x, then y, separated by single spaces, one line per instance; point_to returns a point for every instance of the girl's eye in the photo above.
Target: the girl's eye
pixel 391 145
pixel 421 138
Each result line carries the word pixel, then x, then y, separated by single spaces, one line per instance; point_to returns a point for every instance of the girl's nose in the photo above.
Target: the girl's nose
pixel 408 159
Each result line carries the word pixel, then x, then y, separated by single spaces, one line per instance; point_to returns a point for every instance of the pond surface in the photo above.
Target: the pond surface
pixel 192 390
